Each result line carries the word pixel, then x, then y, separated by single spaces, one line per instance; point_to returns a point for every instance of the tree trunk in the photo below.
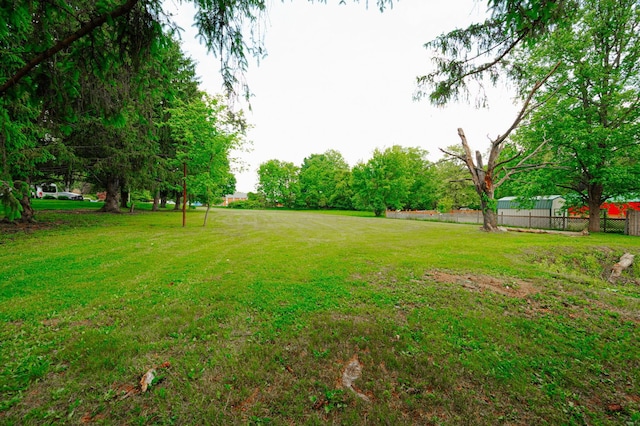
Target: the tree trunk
pixel 489 215
pixel 156 202
pixel 111 202
pixel 124 198
pixel 178 199
pixel 206 214
pixel 595 201
pixel 4 171
pixel 594 217
pixel 163 198
pixel 27 214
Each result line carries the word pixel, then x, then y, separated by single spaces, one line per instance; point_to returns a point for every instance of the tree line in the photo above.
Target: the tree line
pixel 393 178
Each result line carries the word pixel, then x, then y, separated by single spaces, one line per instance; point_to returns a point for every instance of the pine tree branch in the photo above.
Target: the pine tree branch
pixel 482 68
pixel 86 29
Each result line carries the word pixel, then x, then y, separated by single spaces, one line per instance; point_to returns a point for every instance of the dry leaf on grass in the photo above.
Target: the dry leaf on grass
pixel 352 372
pixel 147 379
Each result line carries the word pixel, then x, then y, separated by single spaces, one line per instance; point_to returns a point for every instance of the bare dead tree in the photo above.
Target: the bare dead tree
pixel 486 179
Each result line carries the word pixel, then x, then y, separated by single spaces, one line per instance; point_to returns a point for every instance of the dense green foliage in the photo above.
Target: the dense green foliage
pixel 396 178
pixel 278 183
pixel 586 112
pixel 591 120
pixel 206 132
pixel 324 181
pixel 84 84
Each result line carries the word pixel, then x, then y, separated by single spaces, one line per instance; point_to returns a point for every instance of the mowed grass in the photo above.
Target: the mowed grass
pixel 253 319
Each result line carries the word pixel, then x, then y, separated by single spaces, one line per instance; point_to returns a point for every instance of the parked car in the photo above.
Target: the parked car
pixel 51 190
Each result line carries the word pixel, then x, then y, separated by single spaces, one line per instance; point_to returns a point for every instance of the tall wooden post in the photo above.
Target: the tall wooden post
pixel 184 196
pixel 633 223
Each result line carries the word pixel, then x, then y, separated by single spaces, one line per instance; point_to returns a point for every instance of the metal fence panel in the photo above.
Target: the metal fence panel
pixel 562 223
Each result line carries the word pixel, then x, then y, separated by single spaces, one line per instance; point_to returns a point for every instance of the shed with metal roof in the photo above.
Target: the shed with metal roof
pixel 547 206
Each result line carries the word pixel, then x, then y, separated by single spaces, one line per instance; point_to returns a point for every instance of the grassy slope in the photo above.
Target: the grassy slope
pixel 258 313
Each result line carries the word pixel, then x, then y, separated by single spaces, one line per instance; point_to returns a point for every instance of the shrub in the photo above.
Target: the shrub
pixel 143 196
pixel 245 204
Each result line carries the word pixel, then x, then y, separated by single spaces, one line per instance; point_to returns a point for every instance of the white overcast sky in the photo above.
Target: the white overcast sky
pixel 343 76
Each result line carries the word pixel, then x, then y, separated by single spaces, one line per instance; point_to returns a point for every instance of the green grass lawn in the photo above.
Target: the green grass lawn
pixel 254 318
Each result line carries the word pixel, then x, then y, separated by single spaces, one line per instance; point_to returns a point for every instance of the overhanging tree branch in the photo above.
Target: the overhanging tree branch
pixel 513 24
pixel 521 166
pixel 459 157
pixel 525 110
pixel 481 68
pixel 85 29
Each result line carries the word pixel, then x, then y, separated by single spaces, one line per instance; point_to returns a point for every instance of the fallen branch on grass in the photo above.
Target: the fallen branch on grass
pixel 548 231
pixel 625 261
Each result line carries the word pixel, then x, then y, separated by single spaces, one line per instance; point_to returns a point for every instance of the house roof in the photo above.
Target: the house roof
pixel 540 202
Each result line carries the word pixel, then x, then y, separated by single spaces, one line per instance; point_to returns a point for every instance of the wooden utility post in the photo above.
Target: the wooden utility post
pixel 184 196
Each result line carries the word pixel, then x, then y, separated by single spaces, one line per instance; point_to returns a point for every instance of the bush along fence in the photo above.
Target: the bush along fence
pixel 627 225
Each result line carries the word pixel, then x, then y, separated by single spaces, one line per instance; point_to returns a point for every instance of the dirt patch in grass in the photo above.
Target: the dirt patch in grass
pixel 354 319
pixel 7 227
pixel 475 282
pixel 12 228
pixel 51 322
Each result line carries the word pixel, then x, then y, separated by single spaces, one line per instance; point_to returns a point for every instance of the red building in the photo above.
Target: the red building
pixel 238 196
pixel 615 209
pixel 620 209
